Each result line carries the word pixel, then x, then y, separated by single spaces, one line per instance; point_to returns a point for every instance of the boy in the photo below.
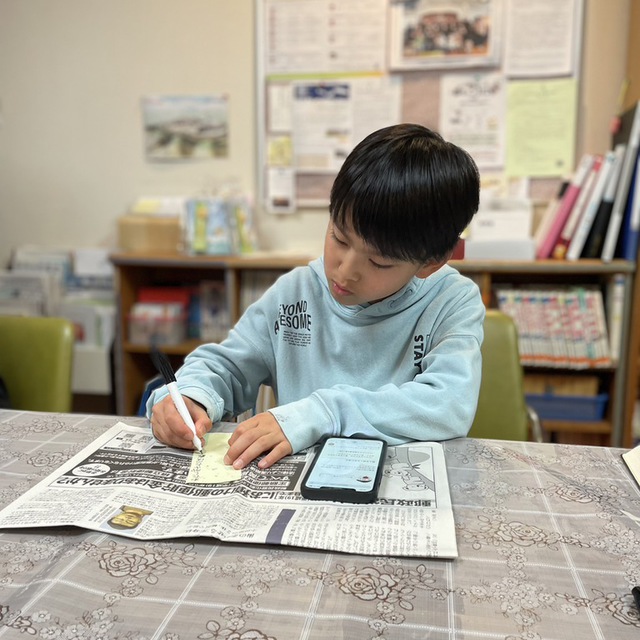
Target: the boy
pixel 378 338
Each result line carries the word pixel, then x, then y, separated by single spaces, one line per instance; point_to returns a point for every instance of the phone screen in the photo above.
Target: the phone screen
pixel 346 463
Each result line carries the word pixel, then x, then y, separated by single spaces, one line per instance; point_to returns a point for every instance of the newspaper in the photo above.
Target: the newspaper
pixel 129 484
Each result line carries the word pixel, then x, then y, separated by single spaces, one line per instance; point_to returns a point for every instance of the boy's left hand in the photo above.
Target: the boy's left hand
pixel 255 436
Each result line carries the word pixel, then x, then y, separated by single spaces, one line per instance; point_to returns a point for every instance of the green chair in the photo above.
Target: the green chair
pixel 36 356
pixel 502 409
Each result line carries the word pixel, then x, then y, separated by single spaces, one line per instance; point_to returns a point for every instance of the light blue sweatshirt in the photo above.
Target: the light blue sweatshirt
pixel 405 368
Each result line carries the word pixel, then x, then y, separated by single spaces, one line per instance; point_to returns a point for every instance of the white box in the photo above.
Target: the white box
pixel 524 249
pixel 91 370
pixel 502 219
pixel 93 318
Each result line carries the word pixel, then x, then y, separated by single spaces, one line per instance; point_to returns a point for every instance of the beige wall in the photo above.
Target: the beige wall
pixel 72 73
pixel 633 57
pixel 605 40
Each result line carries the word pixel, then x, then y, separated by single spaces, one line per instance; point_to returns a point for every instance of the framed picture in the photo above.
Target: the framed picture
pixel 185 127
pixel 428 34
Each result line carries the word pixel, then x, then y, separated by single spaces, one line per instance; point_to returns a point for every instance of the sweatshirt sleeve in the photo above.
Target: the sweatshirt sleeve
pixel 225 378
pixel 439 403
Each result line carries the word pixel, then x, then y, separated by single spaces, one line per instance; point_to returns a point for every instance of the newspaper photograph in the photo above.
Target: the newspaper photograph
pixel 127 483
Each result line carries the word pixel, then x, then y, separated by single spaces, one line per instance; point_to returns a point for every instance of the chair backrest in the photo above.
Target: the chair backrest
pixel 36 357
pixel 502 409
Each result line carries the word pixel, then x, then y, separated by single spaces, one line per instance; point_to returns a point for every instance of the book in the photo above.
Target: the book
pixel 597 335
pixel 579 236
pixel 622 191
pixel 558 327
pixel 210 227
pixel 560 250
pixel 615 313
pixel 574 321
pixel 631 226
pixel 29 292
pixel 549 214
pixel 214 316
pixel 595 239
pixel 566 205
pixel 554 319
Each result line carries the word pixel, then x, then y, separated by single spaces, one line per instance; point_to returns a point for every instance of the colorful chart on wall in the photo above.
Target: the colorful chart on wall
pixel 489 75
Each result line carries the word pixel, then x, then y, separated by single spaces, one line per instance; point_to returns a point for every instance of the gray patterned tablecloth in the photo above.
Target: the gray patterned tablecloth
pixel 548 537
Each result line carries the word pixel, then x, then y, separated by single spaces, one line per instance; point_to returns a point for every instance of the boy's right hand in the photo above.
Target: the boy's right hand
pixel 169 428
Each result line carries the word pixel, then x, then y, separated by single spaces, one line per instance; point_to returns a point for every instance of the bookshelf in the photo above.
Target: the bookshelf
pixel 632 95
pixel 633 377
pixel 133 366
pixel 136 270
pixel 615 428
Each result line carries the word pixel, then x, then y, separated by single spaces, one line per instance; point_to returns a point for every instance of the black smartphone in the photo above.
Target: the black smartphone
pixel 346 470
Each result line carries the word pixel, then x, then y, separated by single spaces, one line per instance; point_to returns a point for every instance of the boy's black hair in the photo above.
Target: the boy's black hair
pixel 407 193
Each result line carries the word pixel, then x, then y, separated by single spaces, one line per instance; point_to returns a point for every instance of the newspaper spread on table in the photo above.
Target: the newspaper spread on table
pixel 129 484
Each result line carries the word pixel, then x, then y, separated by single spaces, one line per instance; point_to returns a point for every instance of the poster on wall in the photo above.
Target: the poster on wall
pixel 542 38
pixel 185 127
pixel 330 117
pixel 472 114
pixel 436 34
pixel 281 191
pixel 541 127
pixel 329 73
pixel 323 36
pixel 322 124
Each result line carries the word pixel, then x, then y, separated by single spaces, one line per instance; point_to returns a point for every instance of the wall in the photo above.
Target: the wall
pixel 72 73
pixel 605 39
pixel 633 57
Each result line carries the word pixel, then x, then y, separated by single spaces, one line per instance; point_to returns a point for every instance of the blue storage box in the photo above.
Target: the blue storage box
pixel 552 407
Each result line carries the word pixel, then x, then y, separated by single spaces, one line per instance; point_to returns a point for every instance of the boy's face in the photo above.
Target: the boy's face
pixel 357 274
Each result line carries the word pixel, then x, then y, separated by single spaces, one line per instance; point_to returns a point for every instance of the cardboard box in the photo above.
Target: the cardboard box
pixel 150 233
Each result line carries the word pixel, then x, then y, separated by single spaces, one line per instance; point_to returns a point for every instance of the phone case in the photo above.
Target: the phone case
pixel 346 469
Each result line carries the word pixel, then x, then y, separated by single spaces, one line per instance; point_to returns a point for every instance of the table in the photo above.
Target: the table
pixel 548 538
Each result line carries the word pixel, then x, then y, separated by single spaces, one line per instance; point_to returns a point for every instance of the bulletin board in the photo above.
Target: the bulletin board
pixel 497 77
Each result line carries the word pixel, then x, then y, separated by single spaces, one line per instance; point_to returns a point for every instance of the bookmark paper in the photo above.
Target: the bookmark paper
pixel 209 468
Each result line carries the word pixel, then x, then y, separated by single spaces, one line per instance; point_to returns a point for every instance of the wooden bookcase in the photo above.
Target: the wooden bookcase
pixel 615 428
pixel 133 366
pixel 631 97
pixel 632 393
pixel 136 270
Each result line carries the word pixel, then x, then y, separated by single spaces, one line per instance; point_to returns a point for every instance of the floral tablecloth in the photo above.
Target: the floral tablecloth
pixel 548 539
